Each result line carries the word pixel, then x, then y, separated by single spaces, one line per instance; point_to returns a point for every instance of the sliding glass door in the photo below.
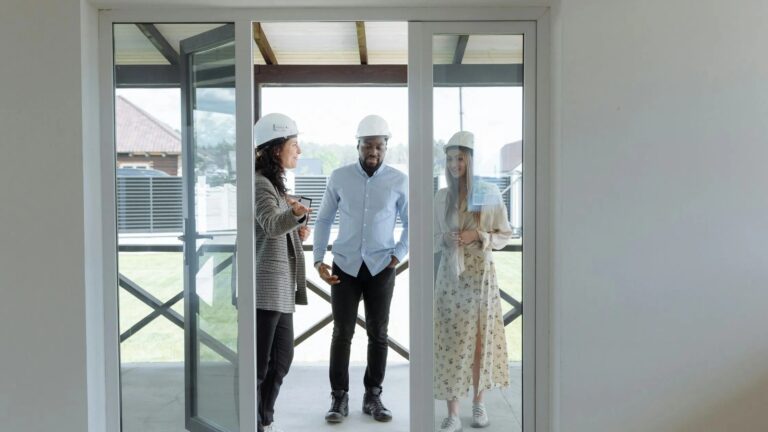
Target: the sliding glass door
pixel 210 229
pixel 461 343
pixel 474 87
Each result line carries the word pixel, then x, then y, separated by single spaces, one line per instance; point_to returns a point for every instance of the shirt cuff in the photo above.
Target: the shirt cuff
pixel 317 265
pixel 485 238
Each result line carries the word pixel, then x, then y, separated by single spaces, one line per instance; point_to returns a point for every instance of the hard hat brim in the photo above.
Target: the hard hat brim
pixel 272 142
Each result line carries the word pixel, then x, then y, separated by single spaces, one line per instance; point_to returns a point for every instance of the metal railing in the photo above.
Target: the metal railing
pixel 163 309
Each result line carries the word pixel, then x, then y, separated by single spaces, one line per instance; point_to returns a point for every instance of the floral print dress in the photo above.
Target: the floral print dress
pixel 467 302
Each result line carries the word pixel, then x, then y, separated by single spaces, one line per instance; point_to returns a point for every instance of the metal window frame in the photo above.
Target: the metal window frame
pixel 422 405
pixel 189 47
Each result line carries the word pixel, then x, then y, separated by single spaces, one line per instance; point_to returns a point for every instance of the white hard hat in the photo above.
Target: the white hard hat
pixel 462 139
pixel 373 125
pixel 273 126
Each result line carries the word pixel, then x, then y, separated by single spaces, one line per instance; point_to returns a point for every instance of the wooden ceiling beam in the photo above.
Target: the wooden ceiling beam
pixel 160 42
pixel 361 42
pixel 264 48
pixel 331 75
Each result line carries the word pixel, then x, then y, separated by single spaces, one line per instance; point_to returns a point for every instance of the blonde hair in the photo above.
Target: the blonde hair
pixel 453 198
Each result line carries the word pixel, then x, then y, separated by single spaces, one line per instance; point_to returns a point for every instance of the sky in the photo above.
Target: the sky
pixel 331 114
pixel 328 115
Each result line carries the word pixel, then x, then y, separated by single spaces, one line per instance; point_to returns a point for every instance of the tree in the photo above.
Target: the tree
pixel 438 158
pixel 215 162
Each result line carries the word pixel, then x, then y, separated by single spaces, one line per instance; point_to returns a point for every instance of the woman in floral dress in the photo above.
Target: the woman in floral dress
pixel 470 347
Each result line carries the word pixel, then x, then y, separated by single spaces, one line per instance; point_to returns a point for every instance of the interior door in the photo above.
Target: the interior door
pixel 207 70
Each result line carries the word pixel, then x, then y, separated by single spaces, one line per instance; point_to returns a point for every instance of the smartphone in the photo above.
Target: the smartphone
pixel 305 201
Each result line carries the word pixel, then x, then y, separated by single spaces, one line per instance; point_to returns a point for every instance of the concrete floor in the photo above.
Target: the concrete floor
pixel 153 400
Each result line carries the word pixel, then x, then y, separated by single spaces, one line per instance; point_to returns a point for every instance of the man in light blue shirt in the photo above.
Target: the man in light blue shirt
pixel 368 197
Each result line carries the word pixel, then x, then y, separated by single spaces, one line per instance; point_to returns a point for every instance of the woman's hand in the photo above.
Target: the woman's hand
pixel 451 238
pixel 304 232
pixel 467 237
pixel 297 208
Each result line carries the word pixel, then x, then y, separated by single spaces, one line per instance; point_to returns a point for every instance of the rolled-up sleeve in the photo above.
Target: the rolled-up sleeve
pixel 325 216
pixel 401 248
pixel 498 231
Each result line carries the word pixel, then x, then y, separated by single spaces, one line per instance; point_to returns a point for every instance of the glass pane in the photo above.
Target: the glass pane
pixel 305 43
pixel 387 42
pixel 327 114
pixel 327 118
pixel 148 147
pixel 133 48
pixel 215 198
pixel 213 109
pixel 477 143
pixel 217 336
pixel 493 49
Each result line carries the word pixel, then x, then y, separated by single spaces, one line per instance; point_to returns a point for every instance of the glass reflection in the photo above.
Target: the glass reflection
pixel 478 87
pixel 470 346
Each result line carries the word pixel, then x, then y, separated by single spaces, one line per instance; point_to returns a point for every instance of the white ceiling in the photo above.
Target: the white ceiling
pixel 331 43
pixel 132 47
pixel 313 42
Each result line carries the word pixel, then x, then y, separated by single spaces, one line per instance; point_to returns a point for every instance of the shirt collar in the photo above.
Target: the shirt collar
pixel 365 174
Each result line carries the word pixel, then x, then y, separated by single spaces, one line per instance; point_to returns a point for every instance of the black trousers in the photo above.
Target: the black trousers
pixel 376 292
pixel 274 354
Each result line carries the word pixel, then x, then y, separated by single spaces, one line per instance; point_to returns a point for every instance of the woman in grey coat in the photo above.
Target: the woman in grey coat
pixel 279 261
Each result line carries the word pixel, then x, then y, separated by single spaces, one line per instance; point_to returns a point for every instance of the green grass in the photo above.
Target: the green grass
pixel 161 275
pixel 509 273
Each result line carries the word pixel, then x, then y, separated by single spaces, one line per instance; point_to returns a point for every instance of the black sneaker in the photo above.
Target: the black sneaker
pixel 372 405
pixel 339 407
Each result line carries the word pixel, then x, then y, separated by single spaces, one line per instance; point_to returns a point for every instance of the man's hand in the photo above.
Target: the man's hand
pixel 304 232
pixel 394 262
pixel 324 270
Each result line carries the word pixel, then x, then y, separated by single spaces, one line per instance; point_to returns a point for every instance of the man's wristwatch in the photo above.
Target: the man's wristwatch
pixel 317 265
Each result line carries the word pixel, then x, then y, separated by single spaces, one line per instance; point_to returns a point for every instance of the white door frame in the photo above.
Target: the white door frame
pixel 537 388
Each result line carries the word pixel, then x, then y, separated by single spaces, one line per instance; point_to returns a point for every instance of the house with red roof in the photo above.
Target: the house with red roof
pixel 142 141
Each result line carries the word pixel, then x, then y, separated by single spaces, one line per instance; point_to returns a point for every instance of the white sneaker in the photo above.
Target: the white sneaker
pixel 479 416
pixel 451 424
pixel 272 428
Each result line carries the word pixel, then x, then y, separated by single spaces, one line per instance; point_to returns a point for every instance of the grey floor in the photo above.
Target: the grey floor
pixel 153 400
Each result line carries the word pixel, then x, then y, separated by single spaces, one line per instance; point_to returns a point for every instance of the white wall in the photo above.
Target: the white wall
pixel 43 371
pixel 659 201
pixel 660 266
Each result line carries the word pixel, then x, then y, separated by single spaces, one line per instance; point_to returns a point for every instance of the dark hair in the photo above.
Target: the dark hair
pixel 268 163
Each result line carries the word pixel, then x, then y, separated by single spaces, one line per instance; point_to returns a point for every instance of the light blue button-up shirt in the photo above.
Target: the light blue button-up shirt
pixel 368 208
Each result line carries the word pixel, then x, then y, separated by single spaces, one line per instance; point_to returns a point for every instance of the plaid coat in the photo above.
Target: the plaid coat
pixel 279 259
